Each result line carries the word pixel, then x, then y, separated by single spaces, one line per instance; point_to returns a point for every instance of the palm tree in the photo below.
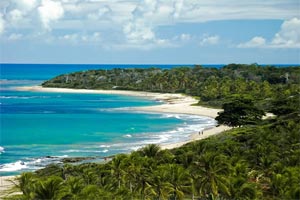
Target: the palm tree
pixel 151 150
pixel 193 176
pixel 74 186
pixel 160 187
pixel 89 176
pixel 241 189
pixel 92 192
pixel 26 183
pixel 142 183
pixel 177 177
pixel 131 164
pixel 212 169
pixel 52 188
pixel 116 166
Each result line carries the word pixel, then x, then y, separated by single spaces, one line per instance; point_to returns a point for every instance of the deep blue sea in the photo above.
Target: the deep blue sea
pixel 39 128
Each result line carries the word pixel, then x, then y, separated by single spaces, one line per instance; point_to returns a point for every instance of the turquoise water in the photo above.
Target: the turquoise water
pixel 39 128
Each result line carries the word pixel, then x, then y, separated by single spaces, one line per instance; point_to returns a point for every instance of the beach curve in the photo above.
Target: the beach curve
pixel 172 103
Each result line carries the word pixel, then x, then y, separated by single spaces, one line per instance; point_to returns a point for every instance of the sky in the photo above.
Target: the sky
pixel 150 31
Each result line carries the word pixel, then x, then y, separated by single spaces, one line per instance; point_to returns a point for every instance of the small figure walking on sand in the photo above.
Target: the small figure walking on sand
pixel 201 132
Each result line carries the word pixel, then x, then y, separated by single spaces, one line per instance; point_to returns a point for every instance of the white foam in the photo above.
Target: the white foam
pixel 115 109
pixel 104 146
pixel 2 150
pixel 24 97
pixel 30 164
pixel 84 151
pixel 127 136
pixel 63 156
pixel 39 160
pixel 190 124
pixel 10 167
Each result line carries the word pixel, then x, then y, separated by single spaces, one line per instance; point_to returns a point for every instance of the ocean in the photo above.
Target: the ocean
pixel 38 128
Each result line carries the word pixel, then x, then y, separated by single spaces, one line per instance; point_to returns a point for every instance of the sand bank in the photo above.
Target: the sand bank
pixel 173 103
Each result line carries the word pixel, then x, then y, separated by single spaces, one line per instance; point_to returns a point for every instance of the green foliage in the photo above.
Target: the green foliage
pixel 253 162
pixel 51 188
pixel 286 105
pixel 238 112
pixel 212 85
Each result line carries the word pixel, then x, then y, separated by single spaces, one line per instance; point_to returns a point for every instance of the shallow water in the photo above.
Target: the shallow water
pixel 39 128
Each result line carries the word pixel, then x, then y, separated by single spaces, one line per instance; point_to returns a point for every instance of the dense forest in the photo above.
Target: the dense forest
pixel 213 86
pixel 257 159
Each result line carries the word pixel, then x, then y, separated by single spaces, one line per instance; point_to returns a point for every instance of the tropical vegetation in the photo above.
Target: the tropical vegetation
pixel 258 159
pixel 251 162
pixel 212 86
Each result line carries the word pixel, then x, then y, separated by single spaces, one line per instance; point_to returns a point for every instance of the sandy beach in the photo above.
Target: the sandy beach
pixel 173 103
pixel 6 183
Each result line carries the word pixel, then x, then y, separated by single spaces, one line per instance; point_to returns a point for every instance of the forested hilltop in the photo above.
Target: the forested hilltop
pixel 211 85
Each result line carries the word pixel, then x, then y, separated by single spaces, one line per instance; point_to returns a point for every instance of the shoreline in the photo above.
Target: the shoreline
pixel 173 103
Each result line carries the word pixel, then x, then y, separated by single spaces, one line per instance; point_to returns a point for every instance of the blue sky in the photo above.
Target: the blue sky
pixel 150 31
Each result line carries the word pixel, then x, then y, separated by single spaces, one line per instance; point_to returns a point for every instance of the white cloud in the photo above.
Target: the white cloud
pixel 254 42
pixel 135 22
pixel 15 16
pixel 15 36
pixel 138 32
pixel 178 5
pixel 1 24
pixel 155 12
pixel 25 4
pixel 50 11
pixel 210 40
pixel 76 38
pixel 203 11
pixel 101 13
pixel 287 37
pixel 185 37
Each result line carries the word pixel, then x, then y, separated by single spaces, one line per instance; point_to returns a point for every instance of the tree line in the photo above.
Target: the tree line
pixel 213 86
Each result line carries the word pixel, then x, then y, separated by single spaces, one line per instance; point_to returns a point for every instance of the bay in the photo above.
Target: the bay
pixel 39 128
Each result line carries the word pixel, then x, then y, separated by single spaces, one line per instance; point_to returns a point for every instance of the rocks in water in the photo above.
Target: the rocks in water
pixel 76 159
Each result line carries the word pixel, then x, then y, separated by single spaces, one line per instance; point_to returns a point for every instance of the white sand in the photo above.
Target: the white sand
pixel 86 91
pixel 6 184
pixel 173 103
